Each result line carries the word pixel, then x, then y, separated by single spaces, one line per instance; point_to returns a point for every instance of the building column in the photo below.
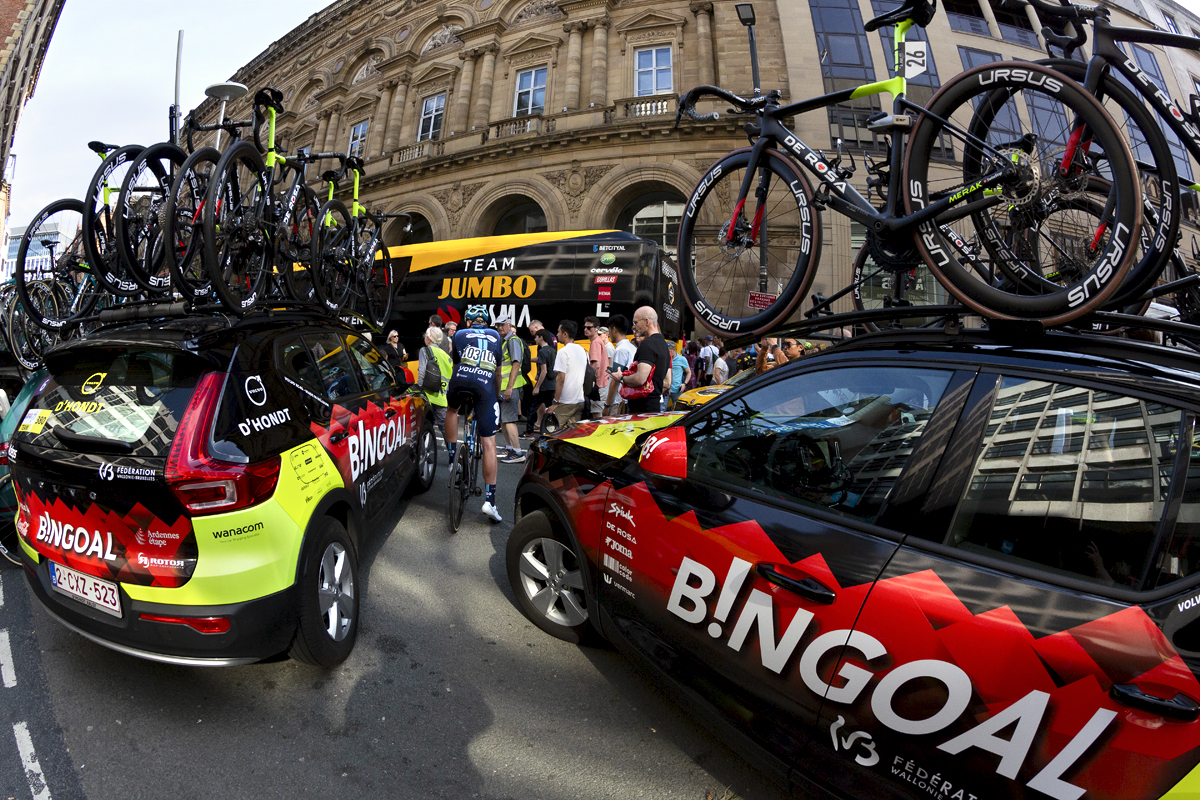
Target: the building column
pixel 990 16
pixel 462 103
pixel 599 93
pixel 1037 25
pixel 704 48
pixel 331 135
pixel 379 120
pixel 487 75
pixel 574 63
pixel 318 144
pixel 391 136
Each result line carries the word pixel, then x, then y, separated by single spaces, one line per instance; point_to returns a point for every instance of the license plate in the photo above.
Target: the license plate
pixel 97 593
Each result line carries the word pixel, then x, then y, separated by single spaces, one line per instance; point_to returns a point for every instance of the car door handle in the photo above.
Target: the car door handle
pixel 391 412
pixel 334 438
pixel 794 581
pixel 1180 707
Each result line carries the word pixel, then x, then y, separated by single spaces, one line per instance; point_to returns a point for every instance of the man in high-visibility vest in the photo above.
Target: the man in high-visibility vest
pixel 511 382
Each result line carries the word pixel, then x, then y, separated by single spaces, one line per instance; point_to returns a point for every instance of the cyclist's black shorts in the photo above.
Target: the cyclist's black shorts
pixel 487 409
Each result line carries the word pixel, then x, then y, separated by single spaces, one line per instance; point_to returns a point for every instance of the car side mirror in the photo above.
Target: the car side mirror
pixel 664 454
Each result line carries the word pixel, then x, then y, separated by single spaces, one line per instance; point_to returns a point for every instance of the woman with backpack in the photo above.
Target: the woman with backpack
pixel 434 370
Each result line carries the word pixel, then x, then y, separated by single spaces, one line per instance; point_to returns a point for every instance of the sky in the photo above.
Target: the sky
pixel 109 74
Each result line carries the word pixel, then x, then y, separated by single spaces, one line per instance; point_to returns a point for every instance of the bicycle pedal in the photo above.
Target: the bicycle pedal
pixel 883 121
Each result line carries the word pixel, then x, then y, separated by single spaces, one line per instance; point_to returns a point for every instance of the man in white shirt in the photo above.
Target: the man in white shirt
pixel 570 365
pixel 709 353
pixel 618 326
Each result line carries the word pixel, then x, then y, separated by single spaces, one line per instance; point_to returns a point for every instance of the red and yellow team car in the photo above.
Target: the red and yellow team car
pixel 916 565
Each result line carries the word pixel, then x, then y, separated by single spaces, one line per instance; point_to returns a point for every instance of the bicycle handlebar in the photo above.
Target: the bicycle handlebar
pixel 1068 12
pixel 687 103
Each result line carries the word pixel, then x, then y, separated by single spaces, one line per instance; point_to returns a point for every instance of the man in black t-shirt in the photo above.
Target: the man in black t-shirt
pixel 543 389
pixel 653 362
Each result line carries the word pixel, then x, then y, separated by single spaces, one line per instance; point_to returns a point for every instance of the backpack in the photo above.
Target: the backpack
pixel 590 392
pixel 433 374
pixel 526 362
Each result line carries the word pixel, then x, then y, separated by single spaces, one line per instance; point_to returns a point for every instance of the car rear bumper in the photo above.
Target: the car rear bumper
pixel 258 628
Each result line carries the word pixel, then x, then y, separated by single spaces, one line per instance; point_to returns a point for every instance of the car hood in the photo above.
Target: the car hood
pixel 614 436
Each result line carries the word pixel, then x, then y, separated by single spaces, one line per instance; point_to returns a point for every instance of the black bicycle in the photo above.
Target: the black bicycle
pixel 464 472
pixel 969 185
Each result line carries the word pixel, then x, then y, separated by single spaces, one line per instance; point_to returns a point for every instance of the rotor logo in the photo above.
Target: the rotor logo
pixel 255 391
pixel 107 472
pixel 93 383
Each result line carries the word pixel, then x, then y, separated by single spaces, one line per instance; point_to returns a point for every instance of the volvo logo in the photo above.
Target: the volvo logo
pixel 256 391
pixel 92 384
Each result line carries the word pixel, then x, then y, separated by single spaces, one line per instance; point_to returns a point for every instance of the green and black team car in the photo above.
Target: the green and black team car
pixel 197 493
pixel 917 565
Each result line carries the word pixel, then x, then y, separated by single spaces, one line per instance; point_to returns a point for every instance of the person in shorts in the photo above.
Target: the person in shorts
pixel 543 389
pixel 570 365
pixel 477 374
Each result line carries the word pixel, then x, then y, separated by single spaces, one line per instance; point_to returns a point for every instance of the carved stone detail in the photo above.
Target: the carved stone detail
pixel 445 36
pixel 536 10
pixel 369 69
pixel 575 182
pixel 455 199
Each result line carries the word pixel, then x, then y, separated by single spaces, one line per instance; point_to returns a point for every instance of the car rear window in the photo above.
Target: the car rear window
pixel 115 395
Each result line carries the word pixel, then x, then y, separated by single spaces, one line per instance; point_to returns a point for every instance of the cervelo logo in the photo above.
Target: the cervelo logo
pixel 371 445
pixel 695 582
pixel 607 271
pixel 80 540
pixel 265 422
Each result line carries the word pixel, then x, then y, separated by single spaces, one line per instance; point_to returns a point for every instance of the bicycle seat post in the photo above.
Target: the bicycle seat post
pixel 745 12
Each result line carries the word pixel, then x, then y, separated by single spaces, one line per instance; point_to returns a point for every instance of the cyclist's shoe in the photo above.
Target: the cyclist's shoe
pixel 515 457
pixel 491 512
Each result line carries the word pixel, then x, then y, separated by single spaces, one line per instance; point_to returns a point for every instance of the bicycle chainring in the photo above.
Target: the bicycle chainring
pixel 894 256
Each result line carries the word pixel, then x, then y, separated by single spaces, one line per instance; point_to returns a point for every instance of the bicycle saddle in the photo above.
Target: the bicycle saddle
pixel 919 11
pixel 355 163
pixel 102 148
pixel 330 176
pixel 270 97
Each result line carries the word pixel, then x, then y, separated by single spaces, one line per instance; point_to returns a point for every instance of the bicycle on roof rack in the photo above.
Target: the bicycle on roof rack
pixel 974 202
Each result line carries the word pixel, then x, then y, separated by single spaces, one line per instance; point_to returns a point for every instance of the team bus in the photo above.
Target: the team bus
pixel 543 276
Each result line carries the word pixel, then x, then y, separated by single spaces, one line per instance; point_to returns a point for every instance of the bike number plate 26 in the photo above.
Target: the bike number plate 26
pixel 97 593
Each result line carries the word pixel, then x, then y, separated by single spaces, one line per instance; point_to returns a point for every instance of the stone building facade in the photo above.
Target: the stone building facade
pixel 481 117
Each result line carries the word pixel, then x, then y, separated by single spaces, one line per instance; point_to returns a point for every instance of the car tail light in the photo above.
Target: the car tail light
pixel 202 624
pixel 203 484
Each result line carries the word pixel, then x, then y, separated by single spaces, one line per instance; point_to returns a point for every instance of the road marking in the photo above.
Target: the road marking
pixel 1 595
pixel 33 770
pixel 7 673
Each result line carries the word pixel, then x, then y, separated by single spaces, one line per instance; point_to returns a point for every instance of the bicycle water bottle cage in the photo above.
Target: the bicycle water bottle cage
pixel 919 11
pixel 355 163
pixel 886 121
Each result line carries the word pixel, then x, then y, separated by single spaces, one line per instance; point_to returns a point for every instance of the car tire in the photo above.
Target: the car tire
pixel 328 597
pixel 545 573
pixel 425 466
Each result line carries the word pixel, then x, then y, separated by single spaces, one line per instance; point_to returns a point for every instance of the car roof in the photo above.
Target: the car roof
pixel 1174 371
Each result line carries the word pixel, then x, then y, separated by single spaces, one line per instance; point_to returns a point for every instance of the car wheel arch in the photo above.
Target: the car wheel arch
pixel 336 505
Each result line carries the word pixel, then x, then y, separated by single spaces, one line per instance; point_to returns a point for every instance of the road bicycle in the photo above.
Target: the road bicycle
pixel 960 182
pixel 249 229
pixel 99 218
pixel 137 222
pixel 1143 109
pixel 353 268
pixel 464 471
pixel 51 251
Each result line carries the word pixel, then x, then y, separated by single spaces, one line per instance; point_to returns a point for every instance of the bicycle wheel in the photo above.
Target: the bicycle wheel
pixel 99 223
pixel 459 479
pixel 333 262
pixel 183 231
pixel 17 330
pixel 1161 212
pixel 295 247
pixel 1025 143
pixel 52 249
pixel 876 287
pixel 138 230
pixel 375 269
pixel 744 267
pixel 236 249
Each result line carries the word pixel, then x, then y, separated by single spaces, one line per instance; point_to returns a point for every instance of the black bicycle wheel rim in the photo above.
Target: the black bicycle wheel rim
pixel 66 213
pixel 295 251
pixel 235 247
pixel 459 484
pixel 379 280
pixel 183 225
pixel 713 274
pixel 144 191
pixel 99 230
pixel 333 262
pixel 993 86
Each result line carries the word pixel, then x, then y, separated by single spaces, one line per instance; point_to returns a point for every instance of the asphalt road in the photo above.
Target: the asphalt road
pixel 449 692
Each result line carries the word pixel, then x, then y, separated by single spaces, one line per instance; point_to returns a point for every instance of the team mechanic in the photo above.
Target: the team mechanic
pixel 477 378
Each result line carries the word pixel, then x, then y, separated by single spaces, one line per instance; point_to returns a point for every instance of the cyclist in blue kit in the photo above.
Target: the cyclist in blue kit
pixel 477 352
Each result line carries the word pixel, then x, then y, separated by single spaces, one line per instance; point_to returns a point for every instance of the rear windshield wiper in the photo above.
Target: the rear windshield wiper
pixel 94 443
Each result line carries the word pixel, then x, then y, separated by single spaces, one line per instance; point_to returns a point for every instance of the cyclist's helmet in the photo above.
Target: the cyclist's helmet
pixel 476 312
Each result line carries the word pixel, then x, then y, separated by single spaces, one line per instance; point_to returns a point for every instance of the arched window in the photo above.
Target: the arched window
pixel 654 216
pixel 421 232
pixel 526 217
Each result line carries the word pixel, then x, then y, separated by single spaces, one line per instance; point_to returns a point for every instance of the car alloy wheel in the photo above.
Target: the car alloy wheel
pixel 336 592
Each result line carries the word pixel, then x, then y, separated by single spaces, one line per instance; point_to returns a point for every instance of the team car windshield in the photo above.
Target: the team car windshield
pixel 131 401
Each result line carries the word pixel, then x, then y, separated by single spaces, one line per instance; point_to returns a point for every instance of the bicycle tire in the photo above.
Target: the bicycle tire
pixel 300 236
pixel 333 262
pixel 1161 211
pixel 718 283
pixel 971 101
pixel 459 486
pixel 236 248
pixel 375 267
pixel 863 280
pixel 138 233
pixel 18 335
pixel 66 214
pixel 183 227
pixel 99 229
